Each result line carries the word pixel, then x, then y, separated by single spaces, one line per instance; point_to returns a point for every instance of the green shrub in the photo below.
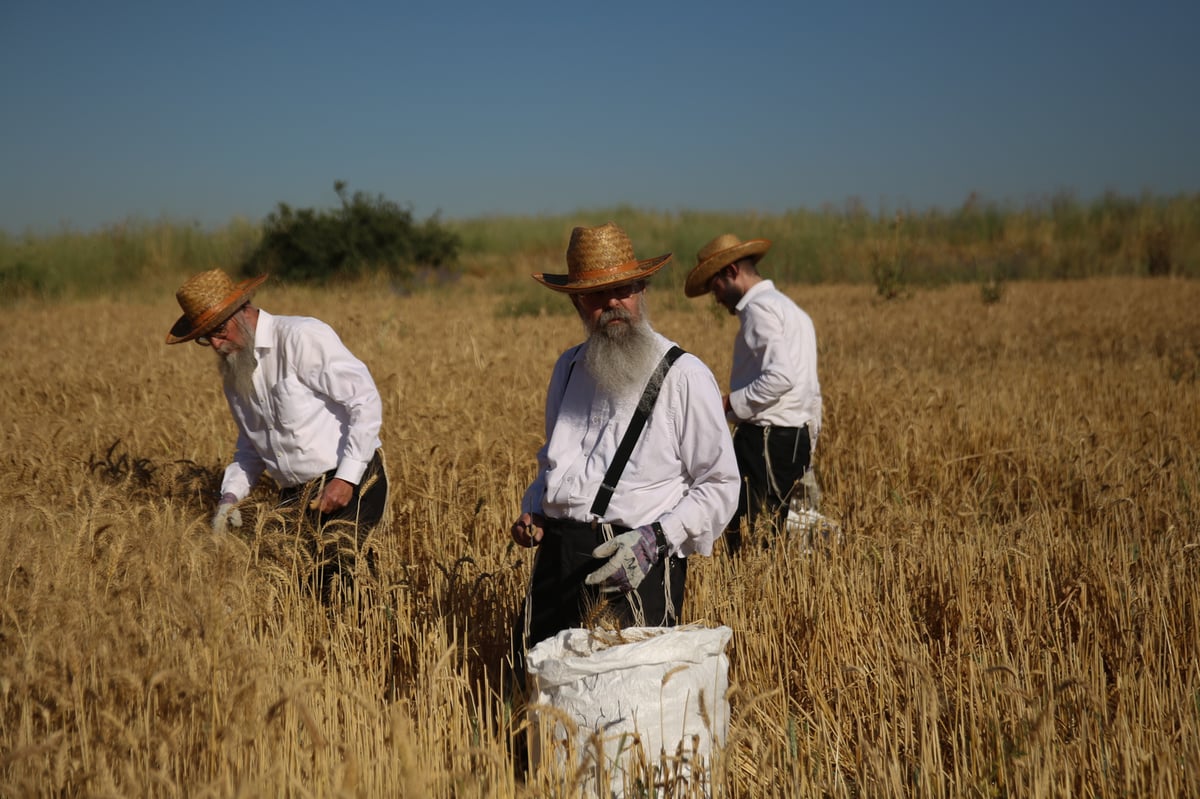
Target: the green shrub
pixel 21 280
pixel 991 290
pixel 890 259
pixel 1157 246
pixel 366 234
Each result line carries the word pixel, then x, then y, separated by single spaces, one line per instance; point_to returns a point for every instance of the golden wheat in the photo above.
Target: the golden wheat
pixel 1012 612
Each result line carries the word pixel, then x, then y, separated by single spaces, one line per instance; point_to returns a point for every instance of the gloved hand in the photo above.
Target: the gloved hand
pixel 630 556
pixel 227 515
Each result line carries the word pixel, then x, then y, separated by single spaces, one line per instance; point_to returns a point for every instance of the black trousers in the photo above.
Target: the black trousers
pixel 559 599
pixel 336 537
pixel 771 460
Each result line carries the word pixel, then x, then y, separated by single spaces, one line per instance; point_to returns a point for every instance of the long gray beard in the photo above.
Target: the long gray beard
pixel 237 368
pixel 620 358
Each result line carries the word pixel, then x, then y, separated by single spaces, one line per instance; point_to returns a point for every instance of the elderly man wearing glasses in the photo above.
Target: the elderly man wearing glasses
pixel 306 409
pixel 637 471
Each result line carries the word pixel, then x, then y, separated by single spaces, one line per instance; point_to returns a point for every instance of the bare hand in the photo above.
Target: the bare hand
pixel 336 495
pixel 527 530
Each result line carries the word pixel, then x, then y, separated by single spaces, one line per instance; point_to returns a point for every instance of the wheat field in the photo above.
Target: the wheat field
pixel 1012 612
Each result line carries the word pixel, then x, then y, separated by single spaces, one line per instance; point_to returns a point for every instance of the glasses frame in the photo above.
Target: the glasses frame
pixel 219 331
pixel 622 292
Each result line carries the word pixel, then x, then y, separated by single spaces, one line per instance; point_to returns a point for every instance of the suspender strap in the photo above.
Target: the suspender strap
pixel 571 368
pixel 636 424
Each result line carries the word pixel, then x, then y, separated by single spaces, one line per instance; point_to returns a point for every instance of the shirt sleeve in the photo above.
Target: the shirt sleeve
pixel 707 458
pixel 246 468
pixel 531 501
pixel 329 368
pixel 763 332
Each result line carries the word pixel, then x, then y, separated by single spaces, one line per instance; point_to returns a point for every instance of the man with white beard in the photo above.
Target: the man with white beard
pixel 307 410
pixel 630 482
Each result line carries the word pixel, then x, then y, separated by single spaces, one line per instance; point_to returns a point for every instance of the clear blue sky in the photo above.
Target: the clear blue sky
pixel 209 110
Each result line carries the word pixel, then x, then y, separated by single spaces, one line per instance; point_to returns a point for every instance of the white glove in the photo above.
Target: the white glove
pixel 631 556
pixel 227 515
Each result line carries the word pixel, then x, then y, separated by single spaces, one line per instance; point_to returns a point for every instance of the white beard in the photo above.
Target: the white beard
pixel 620 357
pixel 237 366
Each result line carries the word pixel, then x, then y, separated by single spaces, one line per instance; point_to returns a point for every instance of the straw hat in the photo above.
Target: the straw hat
pixel 207 300
pixel 718 254
pixel 600 258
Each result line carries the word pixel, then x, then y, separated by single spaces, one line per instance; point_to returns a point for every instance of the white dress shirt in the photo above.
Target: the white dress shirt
pixel 682 473
pixel 774 376
pixel 315 408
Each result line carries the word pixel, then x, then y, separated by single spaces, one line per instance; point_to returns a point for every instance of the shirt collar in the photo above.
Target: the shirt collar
pixel 757 288
pixel 264 331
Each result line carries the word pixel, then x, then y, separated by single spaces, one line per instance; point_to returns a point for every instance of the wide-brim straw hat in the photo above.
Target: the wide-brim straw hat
pixel 600 258
pixel 718 254
pixel 207 300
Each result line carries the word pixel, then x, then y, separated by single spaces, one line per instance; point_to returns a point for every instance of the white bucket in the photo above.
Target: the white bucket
pixel 630 709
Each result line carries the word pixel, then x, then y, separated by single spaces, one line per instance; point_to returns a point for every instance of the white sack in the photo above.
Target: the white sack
pixel 651 695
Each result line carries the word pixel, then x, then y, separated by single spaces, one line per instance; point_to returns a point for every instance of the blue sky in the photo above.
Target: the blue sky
pixel 207 111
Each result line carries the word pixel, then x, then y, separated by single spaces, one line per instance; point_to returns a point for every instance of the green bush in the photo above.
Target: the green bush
pixel 366 234
pixel 1157 246
pixel 21 280
pixel 991 290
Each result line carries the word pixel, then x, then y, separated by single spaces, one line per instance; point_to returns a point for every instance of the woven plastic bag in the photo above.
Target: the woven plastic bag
pixel 811 529
pixel 638 711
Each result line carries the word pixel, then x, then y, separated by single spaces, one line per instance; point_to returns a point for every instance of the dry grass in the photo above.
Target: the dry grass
pixel 1013 612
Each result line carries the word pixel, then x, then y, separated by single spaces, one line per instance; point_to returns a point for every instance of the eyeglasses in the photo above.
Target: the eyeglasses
pixel 219 331
pixel 619 292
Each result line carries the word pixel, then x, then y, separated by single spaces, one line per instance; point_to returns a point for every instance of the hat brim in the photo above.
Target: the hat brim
pixel 186 329
pixel 696 284
pixel 628 273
